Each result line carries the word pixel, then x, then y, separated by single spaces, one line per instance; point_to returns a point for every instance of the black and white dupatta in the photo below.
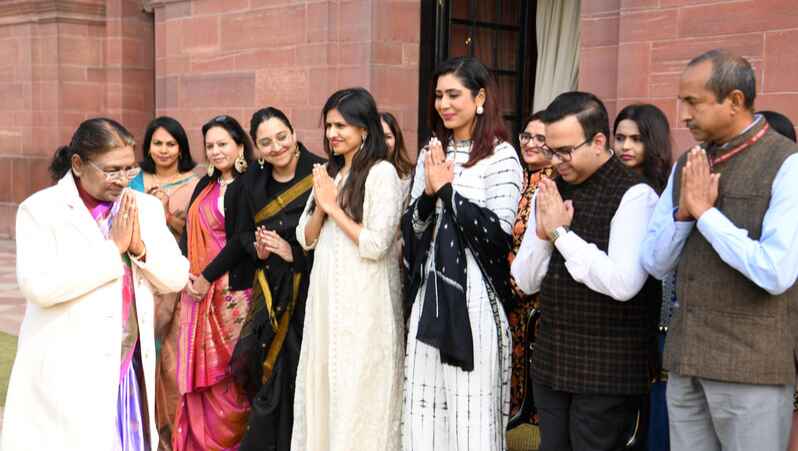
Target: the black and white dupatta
pixel 444 322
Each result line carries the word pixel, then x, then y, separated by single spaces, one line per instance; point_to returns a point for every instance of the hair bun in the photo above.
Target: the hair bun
pixel 62 162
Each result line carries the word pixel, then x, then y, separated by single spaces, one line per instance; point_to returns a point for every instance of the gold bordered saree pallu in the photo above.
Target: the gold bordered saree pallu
pixel 267 354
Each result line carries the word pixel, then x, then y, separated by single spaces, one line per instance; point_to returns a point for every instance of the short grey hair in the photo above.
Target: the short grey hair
pixel 729 72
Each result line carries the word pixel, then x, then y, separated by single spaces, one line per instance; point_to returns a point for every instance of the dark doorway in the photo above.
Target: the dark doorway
pixel 501 33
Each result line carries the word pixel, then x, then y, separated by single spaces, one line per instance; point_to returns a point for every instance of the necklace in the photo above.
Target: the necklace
pixel 224 183
pixel 165 181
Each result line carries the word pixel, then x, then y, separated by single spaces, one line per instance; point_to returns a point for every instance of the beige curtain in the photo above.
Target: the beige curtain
pixel 558 50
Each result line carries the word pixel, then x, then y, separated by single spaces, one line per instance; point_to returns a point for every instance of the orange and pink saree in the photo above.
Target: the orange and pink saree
pixel 212 411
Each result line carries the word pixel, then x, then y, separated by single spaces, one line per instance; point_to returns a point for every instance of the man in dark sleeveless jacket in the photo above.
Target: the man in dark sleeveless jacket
pixel 581 250
pixel 727 224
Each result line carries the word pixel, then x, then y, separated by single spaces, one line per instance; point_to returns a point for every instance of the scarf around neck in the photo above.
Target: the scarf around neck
pixel 444 322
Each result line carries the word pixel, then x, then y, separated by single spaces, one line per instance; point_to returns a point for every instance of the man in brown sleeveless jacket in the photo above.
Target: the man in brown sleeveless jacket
pixel 726 223
pixel 581 250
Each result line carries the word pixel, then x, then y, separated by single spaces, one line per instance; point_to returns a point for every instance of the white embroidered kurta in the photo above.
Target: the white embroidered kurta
pixel 446 408
pixel 396 252
pixel 348 388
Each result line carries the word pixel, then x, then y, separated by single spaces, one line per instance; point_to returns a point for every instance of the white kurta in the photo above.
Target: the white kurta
pixel 348 388
pixel 65 380
pixel 446 408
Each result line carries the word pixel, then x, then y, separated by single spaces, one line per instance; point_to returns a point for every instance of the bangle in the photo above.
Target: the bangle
pixel 140 256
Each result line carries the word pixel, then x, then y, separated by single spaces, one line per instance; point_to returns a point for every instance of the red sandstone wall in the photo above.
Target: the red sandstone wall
pixel 62 61
pixel 635 50
pixel 236 56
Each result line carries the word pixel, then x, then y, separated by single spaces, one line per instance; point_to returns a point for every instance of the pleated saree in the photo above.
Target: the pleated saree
pixel 212 411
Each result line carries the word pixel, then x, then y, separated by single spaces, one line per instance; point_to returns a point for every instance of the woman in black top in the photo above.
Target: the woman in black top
pixel 233 258
pixel 212 308
pixel 265 359
pixel 643 143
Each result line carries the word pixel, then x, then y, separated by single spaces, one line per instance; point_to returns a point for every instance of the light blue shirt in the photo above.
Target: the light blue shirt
pixel 770 262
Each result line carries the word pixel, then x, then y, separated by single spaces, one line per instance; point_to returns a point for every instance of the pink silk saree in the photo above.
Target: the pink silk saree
pixel 212 411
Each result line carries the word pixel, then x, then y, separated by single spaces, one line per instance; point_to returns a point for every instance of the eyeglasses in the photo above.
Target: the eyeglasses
pixel 525 137
pixel 121 174
pixel 563 153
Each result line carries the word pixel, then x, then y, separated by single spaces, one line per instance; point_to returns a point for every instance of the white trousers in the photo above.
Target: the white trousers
pixel 710 415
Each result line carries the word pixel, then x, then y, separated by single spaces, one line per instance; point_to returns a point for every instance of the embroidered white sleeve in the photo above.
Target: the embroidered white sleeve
pixel 382 208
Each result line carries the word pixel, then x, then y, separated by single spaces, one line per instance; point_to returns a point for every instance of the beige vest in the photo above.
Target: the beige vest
pixel 727 328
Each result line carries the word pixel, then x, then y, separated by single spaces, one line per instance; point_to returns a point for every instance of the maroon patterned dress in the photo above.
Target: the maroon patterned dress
pixel 524 303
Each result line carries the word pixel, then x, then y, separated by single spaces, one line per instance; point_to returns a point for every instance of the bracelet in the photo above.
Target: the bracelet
pixel 138 257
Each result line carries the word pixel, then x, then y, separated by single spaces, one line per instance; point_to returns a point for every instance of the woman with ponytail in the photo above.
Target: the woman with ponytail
pixel 90 256
pixel 348 389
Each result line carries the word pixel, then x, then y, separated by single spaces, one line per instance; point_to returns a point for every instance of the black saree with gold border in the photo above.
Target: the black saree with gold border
pixel 266 357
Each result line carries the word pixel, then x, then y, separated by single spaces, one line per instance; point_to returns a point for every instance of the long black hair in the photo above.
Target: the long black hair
pixel 488 126
pixel 655 134
pixel 358 108
pixel 184 161
pixel 93 137
pixel 231 125
pixel 400 158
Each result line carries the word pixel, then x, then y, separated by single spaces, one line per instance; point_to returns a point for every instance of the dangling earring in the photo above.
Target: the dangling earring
pixel 480 110
pixel 210 170
pixel 362 141
pixel 240 163
pixel 261 161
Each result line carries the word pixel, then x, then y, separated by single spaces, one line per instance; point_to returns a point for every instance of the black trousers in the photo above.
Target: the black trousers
pixel 580 422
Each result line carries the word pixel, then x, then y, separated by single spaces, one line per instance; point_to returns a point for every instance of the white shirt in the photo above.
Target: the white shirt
pixel 617 273
pixel 771 262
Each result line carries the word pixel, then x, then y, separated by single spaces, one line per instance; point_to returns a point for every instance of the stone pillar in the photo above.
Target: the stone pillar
pixel 130 64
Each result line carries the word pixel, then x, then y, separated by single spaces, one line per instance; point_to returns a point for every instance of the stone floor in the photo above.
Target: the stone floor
pixel 12 304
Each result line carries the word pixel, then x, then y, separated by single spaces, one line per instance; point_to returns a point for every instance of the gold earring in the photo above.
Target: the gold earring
pixel 210 170
pixel 240 163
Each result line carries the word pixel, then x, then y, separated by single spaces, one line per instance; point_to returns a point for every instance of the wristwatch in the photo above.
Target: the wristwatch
pixel 558 232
